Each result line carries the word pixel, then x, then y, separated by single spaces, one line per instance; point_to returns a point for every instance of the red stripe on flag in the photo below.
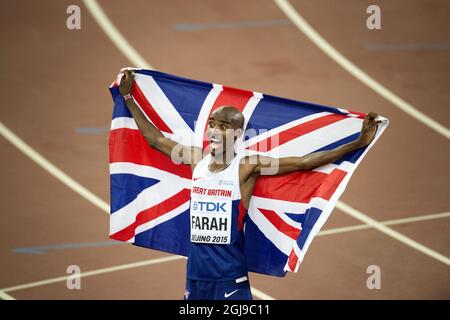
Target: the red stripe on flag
pixel 361 115
pixel 241 217
pixel 299 186
pixel 295 132
pixel 280 224
pixel 232 97
pixel 148 109
pixel 152 213
pixel 128 145
pixel 293 259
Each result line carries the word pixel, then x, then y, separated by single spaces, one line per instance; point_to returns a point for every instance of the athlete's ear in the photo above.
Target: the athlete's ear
pixel 238 132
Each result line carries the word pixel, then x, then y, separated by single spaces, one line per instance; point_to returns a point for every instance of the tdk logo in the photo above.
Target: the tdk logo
pixel 209 206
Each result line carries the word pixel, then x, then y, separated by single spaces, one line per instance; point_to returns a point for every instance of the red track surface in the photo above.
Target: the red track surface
pixel 54 80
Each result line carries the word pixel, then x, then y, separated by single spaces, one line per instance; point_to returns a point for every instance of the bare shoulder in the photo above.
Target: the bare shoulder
pixel 256 160
pixel 248 160
pixel 247 165
pixel 192 156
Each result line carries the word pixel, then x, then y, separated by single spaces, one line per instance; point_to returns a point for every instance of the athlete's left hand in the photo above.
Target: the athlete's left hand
pixel 369 128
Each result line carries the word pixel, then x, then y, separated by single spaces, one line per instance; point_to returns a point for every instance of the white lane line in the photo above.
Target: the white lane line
pixel 417 218
pixel 51 168
pixel 261 295
pixel 393 47
pixel 114 35
pixel 5 296
pixel 94 273
pixel 386 223
pixel 392 233
pixel 335 55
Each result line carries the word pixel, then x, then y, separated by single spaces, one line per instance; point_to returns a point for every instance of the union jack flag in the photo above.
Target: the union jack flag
pixel 150 193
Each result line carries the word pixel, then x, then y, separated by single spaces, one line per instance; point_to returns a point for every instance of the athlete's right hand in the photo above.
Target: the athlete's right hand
pixel 126 82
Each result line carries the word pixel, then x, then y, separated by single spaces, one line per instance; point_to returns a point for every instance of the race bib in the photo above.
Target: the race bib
pixel 211 220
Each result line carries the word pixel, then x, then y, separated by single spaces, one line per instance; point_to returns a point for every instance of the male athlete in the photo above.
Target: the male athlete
pixel 222 185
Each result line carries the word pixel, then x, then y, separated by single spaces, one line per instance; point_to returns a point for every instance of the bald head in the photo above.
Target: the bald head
pixel 230 115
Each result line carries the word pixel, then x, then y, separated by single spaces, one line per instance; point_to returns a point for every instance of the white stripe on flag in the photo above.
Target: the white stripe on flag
pixel 344 166
pixel 277 207
pixel 130 123
pixel 202 119
pixel 165 217
pixel 279 239
pixel 148 172
pixel 291 206
pixel 264 135
pixel 247 112
pixel 165 109
pixel 123 123
pixel 299 256
pixel 250 107
pixel 148 198
pixel 317 139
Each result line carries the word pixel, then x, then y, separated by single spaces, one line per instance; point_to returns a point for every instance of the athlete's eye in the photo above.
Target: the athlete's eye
pixel 223 127
pixel 211 124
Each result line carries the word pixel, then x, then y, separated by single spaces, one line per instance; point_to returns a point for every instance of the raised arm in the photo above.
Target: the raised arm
pixel 272 166
pixel 187 154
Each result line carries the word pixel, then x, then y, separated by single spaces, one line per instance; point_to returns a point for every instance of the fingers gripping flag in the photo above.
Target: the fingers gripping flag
pixel 150 193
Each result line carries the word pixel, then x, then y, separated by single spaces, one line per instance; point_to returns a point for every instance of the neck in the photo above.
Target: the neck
pixel 220 161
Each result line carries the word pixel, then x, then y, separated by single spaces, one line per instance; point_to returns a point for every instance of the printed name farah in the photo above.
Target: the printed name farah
pixel 209 223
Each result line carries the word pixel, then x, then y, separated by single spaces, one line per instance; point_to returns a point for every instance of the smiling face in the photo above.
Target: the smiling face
pixel 225 125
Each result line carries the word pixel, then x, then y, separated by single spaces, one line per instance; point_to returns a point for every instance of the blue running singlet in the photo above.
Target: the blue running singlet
pixel 217 219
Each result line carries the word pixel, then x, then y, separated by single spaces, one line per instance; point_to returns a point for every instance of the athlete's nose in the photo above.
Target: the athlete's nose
pixel 215 133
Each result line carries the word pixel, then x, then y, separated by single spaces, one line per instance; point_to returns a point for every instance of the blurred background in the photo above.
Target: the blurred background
pixel 59 57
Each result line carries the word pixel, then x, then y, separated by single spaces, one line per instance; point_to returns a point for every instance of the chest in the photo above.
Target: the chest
pixel 213 204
